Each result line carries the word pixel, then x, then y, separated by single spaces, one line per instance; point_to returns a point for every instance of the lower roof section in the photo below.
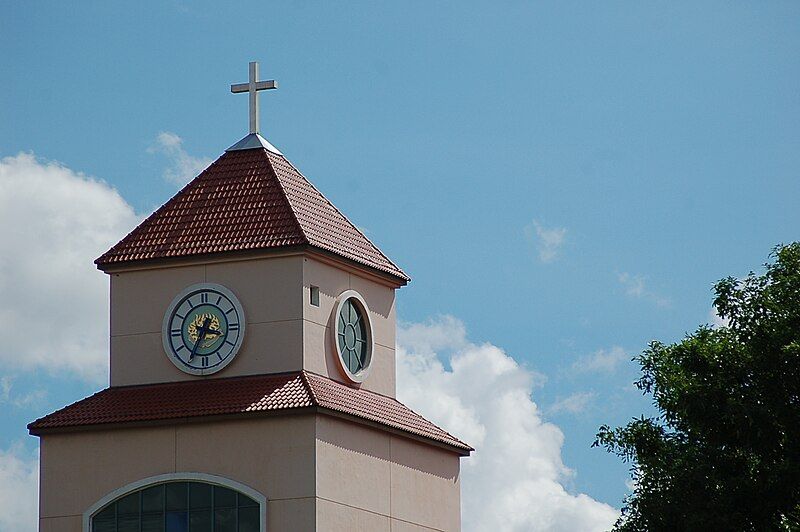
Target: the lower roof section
pixel 256 395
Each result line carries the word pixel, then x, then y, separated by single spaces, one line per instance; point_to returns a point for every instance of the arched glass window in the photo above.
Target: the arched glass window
pixel 179 506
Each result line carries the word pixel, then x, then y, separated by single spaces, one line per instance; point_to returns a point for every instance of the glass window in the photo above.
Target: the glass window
pixel 180 506
pixel 153 499
pixel 153 522
pixel 177 521
pixel 352 336
pixel 177 495
pixel 109 512
pixel 225 520
pixel 224 498
pixel 201 521
pixel 104 525
pixel 128 506
pixel 245 501
pixel 199 496
pixel 248 519
pixel 127 524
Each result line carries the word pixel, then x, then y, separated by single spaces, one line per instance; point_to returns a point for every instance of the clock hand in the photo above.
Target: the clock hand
pixel 201 334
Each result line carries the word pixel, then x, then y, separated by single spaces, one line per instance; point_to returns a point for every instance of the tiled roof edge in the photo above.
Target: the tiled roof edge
pixel 250 253
pixel 457 445
pixel 399 271
pixel 107 257
pixel 36 422
pixel 462 443
pixel 305 374
pixel 307 379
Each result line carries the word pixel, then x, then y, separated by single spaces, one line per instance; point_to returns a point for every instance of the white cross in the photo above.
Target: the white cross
pixel 252 87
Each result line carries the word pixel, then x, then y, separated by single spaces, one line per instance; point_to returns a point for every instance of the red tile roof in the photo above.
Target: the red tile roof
pixel 254 395
pixel 247 200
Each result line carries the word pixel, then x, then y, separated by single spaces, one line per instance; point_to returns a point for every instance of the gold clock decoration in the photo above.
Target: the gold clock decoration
pixel 198 321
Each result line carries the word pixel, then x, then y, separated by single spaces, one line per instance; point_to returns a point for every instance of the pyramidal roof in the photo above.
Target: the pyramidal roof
pixel 250 199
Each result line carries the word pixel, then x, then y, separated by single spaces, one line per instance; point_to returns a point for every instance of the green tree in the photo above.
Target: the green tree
pixel 724 451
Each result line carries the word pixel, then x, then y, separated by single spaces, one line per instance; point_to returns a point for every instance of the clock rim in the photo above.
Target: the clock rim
pixel 355 378
pixel 165 328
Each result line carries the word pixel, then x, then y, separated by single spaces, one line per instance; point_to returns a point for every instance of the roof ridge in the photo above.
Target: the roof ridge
pixel 309 387
pixel 335 208
pixel 306 373
pixel 285 194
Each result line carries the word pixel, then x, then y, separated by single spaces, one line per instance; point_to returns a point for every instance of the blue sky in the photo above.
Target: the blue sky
pixel 567 179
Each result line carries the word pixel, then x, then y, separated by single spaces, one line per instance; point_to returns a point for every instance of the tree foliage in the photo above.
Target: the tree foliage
pixel 724 452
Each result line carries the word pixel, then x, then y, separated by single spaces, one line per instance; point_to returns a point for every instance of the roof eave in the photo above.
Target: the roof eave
pixel 34 430
pixel 395 280
pixel 400 279
pixel 461 451
pixel 184 260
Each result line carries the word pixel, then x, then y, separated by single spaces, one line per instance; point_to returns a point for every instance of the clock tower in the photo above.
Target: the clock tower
pixel 252 373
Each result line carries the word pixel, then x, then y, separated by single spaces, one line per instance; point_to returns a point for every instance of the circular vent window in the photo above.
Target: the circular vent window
pixel 353 336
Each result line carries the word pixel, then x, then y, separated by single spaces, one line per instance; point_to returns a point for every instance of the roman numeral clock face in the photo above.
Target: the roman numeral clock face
pixel 203 329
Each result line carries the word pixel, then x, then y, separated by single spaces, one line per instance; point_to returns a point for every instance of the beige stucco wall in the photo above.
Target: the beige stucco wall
pixel 274 456
pixel 369 476
pixel 319 351
pixel 284 332
pixel 317 472
pixel 270 293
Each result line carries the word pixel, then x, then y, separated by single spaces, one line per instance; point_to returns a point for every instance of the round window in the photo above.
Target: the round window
pixel 353 336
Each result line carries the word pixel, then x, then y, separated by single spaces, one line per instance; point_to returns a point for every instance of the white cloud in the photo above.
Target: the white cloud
pixel 25 399
pixel 514 481
pixel 548 240
pixel 602 360
pixel 19 489
pixel 635 286
pixel 716 320
pixel 56 222
pixel 183 167
pixel 444 333
pixel 573 404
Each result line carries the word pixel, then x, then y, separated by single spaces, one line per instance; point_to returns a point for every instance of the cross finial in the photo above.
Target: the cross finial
pixel 252 87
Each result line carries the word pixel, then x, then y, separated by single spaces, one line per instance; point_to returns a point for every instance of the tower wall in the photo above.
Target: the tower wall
pixel 319 353
pixel 318 473
pixel 369 479
pixel 270 293
pixel 284 331
pixel 274 456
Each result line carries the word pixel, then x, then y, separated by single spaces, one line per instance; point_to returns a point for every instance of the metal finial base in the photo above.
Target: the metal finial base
pixel 254 141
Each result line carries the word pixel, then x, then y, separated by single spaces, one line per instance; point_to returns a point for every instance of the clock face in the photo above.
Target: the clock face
pixel 203 329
